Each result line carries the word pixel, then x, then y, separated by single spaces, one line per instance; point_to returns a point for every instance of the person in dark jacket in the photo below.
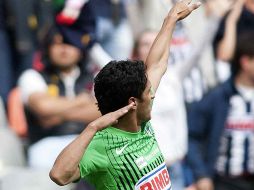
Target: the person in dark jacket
pixel 221 128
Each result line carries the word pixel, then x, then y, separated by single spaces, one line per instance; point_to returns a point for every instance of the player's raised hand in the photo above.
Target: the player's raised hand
pixel 110 118
pixel 182 9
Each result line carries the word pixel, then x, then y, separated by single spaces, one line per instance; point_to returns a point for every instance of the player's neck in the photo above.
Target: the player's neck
pixel 128 123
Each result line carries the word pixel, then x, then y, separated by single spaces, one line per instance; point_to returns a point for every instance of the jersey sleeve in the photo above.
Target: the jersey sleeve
pixel 94 159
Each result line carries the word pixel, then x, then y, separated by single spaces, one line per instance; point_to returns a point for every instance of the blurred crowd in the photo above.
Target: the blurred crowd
pixel 203 113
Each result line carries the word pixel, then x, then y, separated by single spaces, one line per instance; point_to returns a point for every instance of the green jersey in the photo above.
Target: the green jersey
pixel 117 159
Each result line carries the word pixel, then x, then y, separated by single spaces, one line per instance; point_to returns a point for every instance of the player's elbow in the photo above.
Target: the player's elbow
pixel 57 178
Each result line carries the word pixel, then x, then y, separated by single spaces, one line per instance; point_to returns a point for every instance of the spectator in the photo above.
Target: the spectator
pixel 221 128
pixel 25 24
pixel 112 28
pixel 57 101
pixel 237 21
pixel 79 17
pixel 19 28
pixel 111 24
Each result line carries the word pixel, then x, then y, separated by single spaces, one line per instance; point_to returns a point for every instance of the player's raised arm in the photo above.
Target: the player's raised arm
pixel 65 169
pixel 158 56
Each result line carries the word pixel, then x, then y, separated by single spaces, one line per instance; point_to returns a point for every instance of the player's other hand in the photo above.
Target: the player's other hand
pixel 182 9
pixel 110 118
pixel 236 11
pixel 218 7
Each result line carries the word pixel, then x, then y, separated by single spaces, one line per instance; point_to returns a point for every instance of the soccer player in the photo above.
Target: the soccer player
pixel 119 150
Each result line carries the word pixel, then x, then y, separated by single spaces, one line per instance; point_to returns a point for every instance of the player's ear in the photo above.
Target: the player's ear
pixel 134 100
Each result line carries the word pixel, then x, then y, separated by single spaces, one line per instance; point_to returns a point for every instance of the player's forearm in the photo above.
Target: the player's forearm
pixel 159 51
pixel 158 56
pixel 65 169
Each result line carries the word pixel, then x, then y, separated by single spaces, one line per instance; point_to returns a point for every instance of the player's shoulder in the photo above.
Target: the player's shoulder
pixel 146 125
pixel 147 128
pixel 99 138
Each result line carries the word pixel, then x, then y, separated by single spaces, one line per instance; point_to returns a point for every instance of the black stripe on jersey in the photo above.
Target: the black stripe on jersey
pixel 118 187
pixel 126 179
pixel 157 162
pixel 142 174
pixel 123 184
pixel 126 171
pixel 228 154
pixel 129 172
pixel 145 170
pixel 161 159
pixel 131 165
pixel 124 161
pixel 150 167
pixel 153 165
pixel 123 172
pixel 117 177
pixel 246 154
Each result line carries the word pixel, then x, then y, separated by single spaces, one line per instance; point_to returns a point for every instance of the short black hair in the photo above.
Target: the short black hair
pixel 117 82
pixel 244 46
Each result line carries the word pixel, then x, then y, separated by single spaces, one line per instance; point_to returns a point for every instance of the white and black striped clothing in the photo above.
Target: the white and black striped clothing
pixel 181 49
pixel 236 151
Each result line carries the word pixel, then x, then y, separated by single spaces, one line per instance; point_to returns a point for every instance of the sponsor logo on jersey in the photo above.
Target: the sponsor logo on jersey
pixel 157 179
pixel 143 161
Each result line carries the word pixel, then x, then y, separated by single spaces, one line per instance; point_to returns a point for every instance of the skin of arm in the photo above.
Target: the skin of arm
pixel 55 110
pixel 157 58
pixel 226 46
pixel 65 169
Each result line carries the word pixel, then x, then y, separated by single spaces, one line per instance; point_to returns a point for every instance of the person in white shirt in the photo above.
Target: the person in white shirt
pixel 58 101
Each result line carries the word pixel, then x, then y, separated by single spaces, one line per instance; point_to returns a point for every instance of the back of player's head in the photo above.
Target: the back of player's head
pixel 117 82
pixel 244 47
